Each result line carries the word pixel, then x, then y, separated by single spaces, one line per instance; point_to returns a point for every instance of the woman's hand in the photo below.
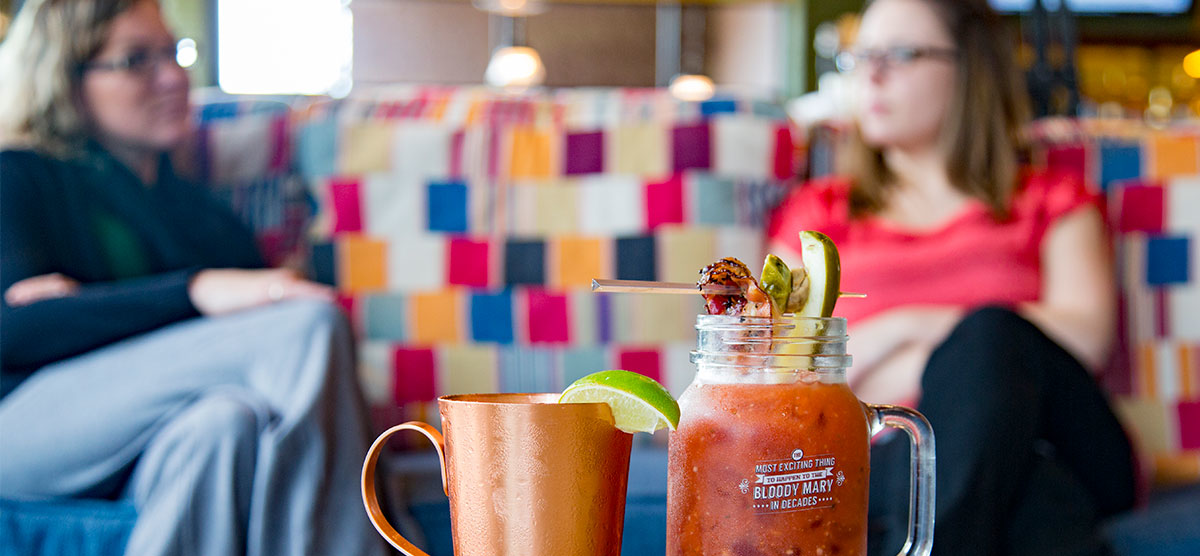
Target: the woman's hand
pixel 875 339
pixel 891 349
pixel 896 380
pixel 40 288
pixel 223 291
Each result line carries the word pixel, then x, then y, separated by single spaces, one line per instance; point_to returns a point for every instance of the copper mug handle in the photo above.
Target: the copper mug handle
pixel 370 499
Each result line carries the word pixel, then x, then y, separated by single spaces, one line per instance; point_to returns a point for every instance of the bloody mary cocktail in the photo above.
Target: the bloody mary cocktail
pixel 768 469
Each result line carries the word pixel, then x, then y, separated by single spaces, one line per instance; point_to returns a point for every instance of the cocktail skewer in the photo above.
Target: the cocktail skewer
pixel 684 288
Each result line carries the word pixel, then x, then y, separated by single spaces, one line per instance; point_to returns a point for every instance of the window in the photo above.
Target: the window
pixel 284 46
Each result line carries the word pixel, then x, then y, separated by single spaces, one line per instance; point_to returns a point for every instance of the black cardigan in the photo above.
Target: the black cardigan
pixel 50 211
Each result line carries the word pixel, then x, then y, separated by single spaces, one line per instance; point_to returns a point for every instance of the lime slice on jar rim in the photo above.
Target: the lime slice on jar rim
pixel 638 403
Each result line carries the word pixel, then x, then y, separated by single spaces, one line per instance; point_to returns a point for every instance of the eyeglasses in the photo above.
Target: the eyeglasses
pixel 888 58
pixel 140 62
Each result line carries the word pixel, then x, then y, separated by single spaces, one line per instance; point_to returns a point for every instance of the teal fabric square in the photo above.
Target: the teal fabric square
pixel 316 148
pixel 714 199
pixel 580 362
pixel 385 317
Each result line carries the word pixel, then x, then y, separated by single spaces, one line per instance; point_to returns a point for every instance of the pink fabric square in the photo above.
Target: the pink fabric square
pixel 646 362
pixel 468 262
pixel 784 153
pixel 548 317
pixel 1189 425
pixel 1141 209
pixel 347 205
pixel 664 202
pixel 1068 158
pixel 415 376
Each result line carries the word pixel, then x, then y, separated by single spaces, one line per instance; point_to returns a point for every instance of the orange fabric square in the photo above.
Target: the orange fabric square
pixel 362 263
pixel 1173 155
pixel 576 260
pixel 435 317
pixel 530 153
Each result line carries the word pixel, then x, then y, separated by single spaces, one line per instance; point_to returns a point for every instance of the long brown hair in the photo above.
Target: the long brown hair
pixel 981 134
pixel 41 60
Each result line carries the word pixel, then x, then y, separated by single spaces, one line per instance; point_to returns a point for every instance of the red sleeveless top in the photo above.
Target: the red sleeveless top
pixel 970 261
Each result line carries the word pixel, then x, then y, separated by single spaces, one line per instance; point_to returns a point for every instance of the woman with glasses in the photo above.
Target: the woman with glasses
pixel 990 294
pixel 147 354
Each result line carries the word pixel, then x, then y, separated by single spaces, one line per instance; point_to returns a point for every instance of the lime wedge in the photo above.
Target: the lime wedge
pixel 824 270
pixel 776 281
pixel 639 403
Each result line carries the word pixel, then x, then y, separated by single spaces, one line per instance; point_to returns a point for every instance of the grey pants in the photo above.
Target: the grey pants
pixel 241 434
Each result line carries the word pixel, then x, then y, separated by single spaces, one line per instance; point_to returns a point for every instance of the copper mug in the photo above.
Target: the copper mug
pixel 525 476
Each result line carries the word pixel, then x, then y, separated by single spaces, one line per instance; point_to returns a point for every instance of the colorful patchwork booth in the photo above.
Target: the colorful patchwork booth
pixel 464 230
pixel 1151 180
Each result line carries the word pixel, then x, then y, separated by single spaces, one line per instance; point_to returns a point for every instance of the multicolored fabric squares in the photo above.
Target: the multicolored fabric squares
pixel 1156 222
pixel 462 228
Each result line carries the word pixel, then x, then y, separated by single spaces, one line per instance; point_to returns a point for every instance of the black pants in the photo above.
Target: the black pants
pixel 1029 455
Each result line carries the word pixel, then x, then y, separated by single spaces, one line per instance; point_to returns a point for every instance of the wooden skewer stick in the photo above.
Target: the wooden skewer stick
pixel 682 288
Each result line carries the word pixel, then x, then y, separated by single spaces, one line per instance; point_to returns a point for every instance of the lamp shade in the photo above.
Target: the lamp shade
pixel 692 87
pixel 515 67
pixel 511 8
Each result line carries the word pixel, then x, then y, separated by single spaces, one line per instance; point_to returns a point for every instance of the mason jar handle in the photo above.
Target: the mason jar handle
pixel 371 501
pixel 921 488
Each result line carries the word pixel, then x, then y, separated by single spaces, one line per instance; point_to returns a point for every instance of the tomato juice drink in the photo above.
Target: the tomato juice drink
pixel 772 452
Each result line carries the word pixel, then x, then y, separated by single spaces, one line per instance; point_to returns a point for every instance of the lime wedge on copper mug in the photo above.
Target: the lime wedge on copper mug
pixel 639 403
pixel 824 269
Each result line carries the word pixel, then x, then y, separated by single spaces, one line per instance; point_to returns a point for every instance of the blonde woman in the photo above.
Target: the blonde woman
pixel 990 292
pixel 146 353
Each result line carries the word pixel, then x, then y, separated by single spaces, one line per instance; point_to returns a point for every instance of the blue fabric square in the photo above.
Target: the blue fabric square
pixel 218 111
pixel 1119 161
pixel 718 106
pixel 322 264
pixel 636 258
pixel 715 201
pixel 384 316
pixel 604 318
pixel 525 262
pixel 1167 260
pixel 447 207
pixel 492 317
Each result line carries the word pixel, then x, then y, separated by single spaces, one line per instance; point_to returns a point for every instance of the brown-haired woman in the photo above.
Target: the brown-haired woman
pixel 147 355
pixel 990 291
